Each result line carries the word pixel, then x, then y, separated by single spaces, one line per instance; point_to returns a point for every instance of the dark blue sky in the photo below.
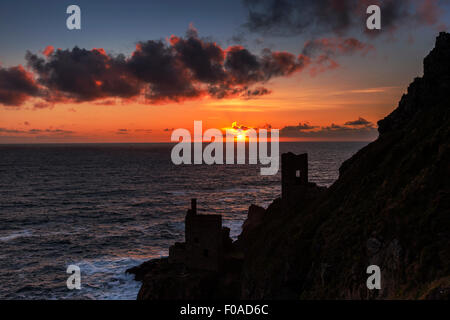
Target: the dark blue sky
pixel 117 25
pixel 112 24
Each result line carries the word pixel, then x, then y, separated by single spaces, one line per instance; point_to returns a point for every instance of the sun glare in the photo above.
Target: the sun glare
pixel 239 132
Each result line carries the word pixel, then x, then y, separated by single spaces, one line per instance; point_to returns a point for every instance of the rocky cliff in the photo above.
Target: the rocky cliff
pixel 390 207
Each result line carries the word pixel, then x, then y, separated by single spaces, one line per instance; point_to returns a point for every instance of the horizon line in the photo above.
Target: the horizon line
pixel 162 142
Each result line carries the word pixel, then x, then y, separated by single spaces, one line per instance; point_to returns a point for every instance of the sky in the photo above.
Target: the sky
pixel 137 70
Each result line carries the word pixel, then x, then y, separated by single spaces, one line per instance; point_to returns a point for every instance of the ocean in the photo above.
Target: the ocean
pixel 109 207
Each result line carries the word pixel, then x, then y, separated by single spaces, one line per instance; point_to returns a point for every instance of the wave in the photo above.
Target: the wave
pixel 105 279
pixel 15 235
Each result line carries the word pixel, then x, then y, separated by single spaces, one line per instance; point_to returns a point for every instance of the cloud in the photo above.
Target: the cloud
pixel 36 131
pixel 257 92
pixel 293 17
pixel 43 105
pixel 235 126
pixel 59 131
pixel 179 69
pixel 324 51
pixel 245 67
pixel 292 131
pixel 122 131
pixel 48 51
pixel 359 122
pixel 182 68
pixel 359 129
pixel 108 102
pixel 146 131
pixel 50 131
pixel 266 126
pixel 16 86
pixel 429 12
pixel 334 46
pixel 203 59
pixel 238 38
pixel 155 64
pixel 83 75
pixel 286 17
pixel 365 91
pixel 4 130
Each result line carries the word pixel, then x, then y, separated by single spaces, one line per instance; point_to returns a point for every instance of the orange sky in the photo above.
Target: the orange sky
pixel 318 100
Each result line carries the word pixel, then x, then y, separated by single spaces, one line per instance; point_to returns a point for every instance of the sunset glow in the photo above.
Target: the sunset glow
pixel 84 88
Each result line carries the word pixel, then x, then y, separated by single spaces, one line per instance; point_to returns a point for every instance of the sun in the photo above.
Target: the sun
pixel 239 131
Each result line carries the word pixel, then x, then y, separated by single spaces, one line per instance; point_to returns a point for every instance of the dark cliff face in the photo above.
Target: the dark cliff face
pixel 390 207
pixel 425 92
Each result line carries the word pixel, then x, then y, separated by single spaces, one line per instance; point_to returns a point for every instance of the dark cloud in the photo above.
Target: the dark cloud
pixel 83 75
pixel 335 46
pixel 50 131
pixel 292 17
pixel 257 92
pixel 175 70
pixel 247 68
pixel 277 64
pixel 43 105
pixel 323 52
pixel 4 130
pixel 244 69
pixel 238 38
pixel 290 131
pixel 155 64
pixel 243 66
pixel 37 131
pixel 358 129
pixel 235 126
pixel 203 59
pixel 287 17
pixel 186 68
pixel 59 131
pixel 430 13
pixel 359 122
pixel 108 102
pixel 122 131
pixel 16 86
pixel 144 130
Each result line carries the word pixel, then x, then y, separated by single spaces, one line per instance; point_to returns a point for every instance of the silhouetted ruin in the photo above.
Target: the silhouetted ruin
pixel 294 175
pixel 205 241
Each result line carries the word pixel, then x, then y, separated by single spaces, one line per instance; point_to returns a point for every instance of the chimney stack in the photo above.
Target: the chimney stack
pixel 193 206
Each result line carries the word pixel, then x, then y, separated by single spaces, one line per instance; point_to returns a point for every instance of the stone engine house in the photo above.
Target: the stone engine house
pixel 294 175
pixel 205 241
pixel 207 244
